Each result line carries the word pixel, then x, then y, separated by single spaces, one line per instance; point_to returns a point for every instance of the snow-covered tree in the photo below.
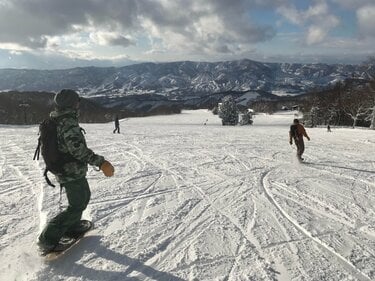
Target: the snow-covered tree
pixel 371 118
pixel 314 116
pixel 247 117
pixel 371 107
pixel 356 106
pixel 228 111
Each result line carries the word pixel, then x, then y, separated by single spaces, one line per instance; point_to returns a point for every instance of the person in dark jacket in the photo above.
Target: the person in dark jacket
pixel 296 133
pixel 73 176
pixel 117 125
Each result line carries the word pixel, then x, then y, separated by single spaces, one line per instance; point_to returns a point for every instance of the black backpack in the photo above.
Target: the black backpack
pixel 294 131
pixel 48 146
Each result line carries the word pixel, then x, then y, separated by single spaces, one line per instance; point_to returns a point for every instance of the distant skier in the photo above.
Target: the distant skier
pixel 296 133
pixel 117 125
pixel 329 128
pixel 71 143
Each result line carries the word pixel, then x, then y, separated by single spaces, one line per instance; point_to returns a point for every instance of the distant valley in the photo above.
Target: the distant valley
pixel 158 88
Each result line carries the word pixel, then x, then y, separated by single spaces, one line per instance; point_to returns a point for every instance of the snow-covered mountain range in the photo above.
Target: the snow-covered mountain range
pixel 178 80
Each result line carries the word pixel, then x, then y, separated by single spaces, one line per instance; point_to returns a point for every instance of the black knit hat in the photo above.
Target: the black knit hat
pixel 66 99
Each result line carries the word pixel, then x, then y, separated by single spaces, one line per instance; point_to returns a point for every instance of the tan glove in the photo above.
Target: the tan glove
pixel 107 169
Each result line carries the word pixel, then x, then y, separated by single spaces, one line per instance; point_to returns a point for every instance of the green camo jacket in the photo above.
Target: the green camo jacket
pixel 72 141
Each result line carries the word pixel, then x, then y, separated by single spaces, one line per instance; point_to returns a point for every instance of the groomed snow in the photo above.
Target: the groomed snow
pixel 200 202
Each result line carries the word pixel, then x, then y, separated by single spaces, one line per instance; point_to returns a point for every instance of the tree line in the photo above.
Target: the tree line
pixel 348 103
pixel 21 108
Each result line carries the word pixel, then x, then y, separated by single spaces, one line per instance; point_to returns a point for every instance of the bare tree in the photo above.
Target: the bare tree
pixel 356 106
pixel 371 106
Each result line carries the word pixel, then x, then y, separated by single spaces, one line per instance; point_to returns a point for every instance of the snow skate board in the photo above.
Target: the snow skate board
pixel 70 242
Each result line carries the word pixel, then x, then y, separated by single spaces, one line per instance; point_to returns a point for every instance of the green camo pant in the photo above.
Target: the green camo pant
pixel 78 193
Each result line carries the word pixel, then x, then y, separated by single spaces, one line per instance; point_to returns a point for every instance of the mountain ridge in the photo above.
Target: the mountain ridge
pixel 179 80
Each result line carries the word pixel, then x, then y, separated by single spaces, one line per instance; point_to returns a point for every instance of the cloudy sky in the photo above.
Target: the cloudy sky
pixel 53 34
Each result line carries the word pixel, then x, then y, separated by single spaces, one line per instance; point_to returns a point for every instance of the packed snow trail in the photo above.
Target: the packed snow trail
pixel 200 202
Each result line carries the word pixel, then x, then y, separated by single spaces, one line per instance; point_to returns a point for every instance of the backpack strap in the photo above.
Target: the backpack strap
pixel 60 205
pixel 47 179
pixel 37 150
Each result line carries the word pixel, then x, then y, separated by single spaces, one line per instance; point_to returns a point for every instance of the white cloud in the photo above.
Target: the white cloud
pixel 83 55
pixel 353 4
pixel 171 29
pixel 317 19
pixel 209 27
pixel 366 21
pixel 13 47
pixel 212 27
pixel 105 38
pixel 291 14
pixel 315 35
pixel 320 8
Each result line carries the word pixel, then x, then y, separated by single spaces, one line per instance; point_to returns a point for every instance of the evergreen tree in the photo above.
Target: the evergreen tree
pixel 228 111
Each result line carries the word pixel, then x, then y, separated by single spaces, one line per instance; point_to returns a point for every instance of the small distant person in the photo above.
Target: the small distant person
pixel 117 125
pixel 296 133
pixel 329 128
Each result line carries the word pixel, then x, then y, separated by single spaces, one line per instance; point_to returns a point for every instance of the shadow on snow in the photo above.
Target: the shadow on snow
pixel 68 265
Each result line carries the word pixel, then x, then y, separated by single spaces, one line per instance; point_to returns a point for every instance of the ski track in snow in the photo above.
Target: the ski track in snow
pixel 308 234
pixel 194 202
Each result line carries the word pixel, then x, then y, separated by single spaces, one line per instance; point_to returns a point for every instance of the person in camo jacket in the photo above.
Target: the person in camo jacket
pixel 73 179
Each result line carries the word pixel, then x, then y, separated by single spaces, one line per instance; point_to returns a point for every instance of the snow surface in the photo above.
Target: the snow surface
pixel 200 202
pixel 247 97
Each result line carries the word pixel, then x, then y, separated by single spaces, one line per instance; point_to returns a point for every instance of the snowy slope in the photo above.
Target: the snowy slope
pixel 195 202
